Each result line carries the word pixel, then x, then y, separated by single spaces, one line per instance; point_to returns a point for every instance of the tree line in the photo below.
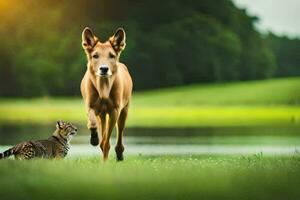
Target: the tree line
pixel 169 43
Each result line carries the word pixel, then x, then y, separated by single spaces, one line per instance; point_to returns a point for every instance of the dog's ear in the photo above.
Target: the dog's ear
pixel 117 41
pixel 89 40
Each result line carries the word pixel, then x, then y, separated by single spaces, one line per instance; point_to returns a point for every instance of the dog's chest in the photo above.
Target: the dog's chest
pixel 103 106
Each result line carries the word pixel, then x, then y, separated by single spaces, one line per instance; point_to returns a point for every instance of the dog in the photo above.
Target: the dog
pixel 106 89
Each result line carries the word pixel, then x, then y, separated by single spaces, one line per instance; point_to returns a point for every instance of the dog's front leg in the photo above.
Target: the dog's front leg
pixel 92 125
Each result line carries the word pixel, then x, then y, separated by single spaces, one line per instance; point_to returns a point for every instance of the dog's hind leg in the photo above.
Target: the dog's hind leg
pixel 120 131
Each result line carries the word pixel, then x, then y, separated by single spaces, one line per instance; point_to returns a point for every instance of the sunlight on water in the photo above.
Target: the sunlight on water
pixel 151 141
pixel 171 149
pixel 167 149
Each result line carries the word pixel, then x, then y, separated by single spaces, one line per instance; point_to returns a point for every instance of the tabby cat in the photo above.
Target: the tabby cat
pixel 56 146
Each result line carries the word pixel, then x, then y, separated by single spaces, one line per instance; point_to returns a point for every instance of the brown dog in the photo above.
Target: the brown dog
pixel 106 89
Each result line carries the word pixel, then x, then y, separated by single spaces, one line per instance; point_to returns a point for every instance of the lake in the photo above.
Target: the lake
pixel 174 141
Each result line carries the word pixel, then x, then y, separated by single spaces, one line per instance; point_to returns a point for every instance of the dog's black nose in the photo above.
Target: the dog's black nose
pixel 104 70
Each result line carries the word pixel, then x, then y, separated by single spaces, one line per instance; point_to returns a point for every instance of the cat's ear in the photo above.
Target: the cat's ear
pixel 59 124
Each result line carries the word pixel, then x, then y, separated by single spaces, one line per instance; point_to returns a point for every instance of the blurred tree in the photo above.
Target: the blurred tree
pixel 169 43
pixel 287 54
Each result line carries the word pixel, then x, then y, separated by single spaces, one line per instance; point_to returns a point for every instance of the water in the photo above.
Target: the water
pixel 174 141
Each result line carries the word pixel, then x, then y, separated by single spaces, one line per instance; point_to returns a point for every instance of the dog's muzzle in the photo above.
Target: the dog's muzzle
pixel 104 70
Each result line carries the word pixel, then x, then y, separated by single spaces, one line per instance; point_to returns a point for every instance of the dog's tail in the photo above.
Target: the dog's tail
pixel 7 153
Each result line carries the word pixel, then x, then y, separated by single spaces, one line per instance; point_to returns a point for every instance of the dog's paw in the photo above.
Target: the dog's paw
pixel 120 157
pixel 94 140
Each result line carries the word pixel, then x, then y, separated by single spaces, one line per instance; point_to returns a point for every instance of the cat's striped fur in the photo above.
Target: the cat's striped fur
pixel 56 146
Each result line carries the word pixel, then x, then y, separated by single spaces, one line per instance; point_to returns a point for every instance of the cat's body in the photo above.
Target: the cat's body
pixel 50 148
pixel 56 146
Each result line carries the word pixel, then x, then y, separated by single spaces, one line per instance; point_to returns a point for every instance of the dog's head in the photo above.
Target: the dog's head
pixel 103 57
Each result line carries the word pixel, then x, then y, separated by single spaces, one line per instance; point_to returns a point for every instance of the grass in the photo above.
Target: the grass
pixel 253 103
pixel 284 91
pixel 272 103
pixel 141 177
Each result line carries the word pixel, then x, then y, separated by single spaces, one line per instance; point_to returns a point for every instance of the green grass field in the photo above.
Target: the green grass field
pixel 271 103
pixel 253 103
pixel 180 177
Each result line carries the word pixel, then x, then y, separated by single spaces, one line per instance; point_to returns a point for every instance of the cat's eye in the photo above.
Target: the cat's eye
pixel 95 56
pixel 111 55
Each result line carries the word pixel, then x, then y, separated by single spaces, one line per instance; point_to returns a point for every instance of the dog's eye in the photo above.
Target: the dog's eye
pixel 95 56
pixel 111 55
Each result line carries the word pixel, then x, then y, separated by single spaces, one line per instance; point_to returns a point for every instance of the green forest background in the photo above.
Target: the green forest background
pixel 169 43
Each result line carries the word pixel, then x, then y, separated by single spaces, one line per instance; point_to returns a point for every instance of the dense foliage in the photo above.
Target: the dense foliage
pixel 168 43
pixel 287 53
